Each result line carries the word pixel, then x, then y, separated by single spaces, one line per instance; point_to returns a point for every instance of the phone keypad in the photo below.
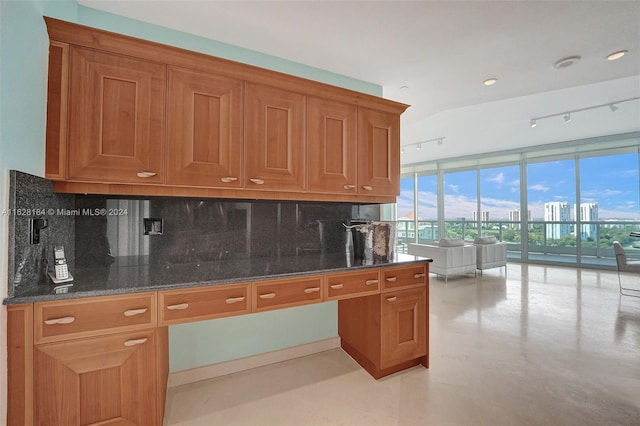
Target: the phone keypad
pixel 62 271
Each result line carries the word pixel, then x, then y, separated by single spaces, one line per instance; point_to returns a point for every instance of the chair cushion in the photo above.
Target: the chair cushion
pixel 451 242
pixel 485 240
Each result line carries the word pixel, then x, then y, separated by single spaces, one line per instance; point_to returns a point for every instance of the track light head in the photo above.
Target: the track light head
pixel 613 108
pixel 567 117
pixel 419 146
pixel 402 150
pixel 533 123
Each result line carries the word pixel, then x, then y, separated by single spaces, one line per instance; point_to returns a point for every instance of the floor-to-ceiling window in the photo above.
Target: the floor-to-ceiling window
pixel 405 209
pixel 558 203
pixel 609 203
pixel 551 195
pixel 427 206
pixel 500 203
pixel 460 204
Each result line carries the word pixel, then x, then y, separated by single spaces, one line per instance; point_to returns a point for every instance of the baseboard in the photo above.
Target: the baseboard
pixel 192 375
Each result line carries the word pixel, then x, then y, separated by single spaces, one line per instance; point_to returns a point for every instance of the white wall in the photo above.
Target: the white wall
pixel 504 125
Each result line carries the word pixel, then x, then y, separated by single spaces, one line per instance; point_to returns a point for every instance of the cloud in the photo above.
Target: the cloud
pixel 499 178
pixel 539 187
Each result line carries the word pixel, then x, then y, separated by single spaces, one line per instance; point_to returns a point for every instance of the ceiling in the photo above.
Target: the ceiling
pixel 441 51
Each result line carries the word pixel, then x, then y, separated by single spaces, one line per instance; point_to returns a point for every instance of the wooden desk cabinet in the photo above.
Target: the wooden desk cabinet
pixel 389 331
pixel 88 361
pixel 104 360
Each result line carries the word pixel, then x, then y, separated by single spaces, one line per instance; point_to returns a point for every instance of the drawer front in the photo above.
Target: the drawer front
pixel 352 284
pixel 179 306
pixel 68 319
pixel 408 276
pixel 278 294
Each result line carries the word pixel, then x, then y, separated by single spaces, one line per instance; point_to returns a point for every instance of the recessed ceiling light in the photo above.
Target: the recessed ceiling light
pixel 616 55
pixel 490 81
pixel 566 62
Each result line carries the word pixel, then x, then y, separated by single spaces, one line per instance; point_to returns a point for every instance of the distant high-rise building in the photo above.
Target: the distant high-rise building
pixel 485 216
pixel 557 211
pixel 514 216
pixel 588 213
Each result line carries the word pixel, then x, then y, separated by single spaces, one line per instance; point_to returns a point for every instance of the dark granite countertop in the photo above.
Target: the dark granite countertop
pixel 136 275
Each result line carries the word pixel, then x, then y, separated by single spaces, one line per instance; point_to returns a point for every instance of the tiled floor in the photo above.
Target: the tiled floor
pixel 538 346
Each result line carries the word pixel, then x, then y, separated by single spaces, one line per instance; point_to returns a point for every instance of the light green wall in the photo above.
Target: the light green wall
pixel 106 21
pixel 23 72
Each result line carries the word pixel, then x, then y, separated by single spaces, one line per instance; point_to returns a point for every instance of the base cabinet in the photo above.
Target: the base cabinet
pixel 105 360
pixel 102 380
pixel 388 332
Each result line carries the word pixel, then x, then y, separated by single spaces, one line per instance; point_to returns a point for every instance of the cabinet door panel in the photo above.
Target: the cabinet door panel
pixel 378 153
pixel 116 114
pixel 104 379
pixel 204 130
pixel 403 326
pixel 331 142
pixel 274 139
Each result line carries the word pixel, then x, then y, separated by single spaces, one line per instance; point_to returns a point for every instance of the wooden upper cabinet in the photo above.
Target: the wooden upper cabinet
pixel 274 139
pixel 116 118
pixel 331 146
pixel 378 152
pixel 204 129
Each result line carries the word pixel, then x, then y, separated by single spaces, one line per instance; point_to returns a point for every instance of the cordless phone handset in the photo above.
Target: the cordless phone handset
pixel 61 270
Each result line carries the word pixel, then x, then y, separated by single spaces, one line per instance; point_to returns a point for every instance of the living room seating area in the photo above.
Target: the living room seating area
pixel 459 257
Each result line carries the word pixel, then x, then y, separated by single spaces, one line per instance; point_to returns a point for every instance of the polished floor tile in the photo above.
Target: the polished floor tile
pixel 533 345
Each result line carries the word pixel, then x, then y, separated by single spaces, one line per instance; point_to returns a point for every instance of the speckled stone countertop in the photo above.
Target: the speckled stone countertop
pixel 135 275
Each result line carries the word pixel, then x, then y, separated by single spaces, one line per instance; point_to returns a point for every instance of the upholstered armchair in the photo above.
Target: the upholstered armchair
pixel 628 272
pixel 490 253
pixel 450 257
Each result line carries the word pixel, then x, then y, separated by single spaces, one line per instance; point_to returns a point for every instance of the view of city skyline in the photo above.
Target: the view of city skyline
pixel 611 182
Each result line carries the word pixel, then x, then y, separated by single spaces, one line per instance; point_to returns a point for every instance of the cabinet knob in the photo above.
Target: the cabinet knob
pixel 63 320
pixel 420 275
pixel 367 187
pixel 228 179
pixel 257 181
pixel 337 286
pixel 392 279
pixel 391 299
pixel 133 312
pixel 235 300
pixel 371 282
pixel 349 187
pixel 267 296
pixel 311 290
pixel 144 174
pixel 181 306
pixel 134 342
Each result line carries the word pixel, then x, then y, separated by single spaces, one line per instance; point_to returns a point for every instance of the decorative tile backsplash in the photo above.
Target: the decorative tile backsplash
pixel 97 230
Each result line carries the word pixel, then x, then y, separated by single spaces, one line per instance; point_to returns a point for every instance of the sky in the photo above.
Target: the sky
pixel 610 181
